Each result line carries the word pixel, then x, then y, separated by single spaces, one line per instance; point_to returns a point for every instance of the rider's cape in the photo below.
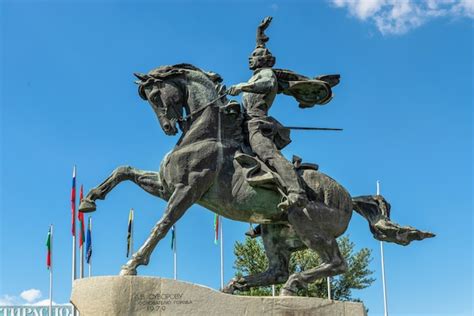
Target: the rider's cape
pixel 308 92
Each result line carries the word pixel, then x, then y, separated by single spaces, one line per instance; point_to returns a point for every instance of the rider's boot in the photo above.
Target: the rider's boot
pixel 296 195
pixel 254 232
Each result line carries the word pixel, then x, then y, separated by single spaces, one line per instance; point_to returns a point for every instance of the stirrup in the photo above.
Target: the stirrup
pixel 254 232
pixel 302 201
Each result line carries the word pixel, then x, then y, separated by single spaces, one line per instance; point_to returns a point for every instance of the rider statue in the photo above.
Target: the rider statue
pixel 266 135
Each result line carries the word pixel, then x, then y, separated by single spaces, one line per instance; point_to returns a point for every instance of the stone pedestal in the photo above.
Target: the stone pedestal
pixel 136 295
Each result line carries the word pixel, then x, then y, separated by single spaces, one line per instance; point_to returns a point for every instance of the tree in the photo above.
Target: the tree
pixel 251 259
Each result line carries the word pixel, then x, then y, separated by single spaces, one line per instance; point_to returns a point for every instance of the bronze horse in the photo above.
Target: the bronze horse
pixel 202 169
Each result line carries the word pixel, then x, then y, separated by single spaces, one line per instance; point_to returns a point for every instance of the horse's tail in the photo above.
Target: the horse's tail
pixel 376 210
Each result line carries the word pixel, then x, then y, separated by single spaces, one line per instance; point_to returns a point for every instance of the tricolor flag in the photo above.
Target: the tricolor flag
pixel 80 217
pixel 48 247
pixel 89 241
pixel 216 228
pixel 130 233
pixel 73 202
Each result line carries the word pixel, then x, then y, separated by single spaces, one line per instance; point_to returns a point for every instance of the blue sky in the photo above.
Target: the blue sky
pixel 405 102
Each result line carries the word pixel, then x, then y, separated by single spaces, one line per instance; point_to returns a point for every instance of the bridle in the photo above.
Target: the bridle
pixel 180 118
pixel 191 115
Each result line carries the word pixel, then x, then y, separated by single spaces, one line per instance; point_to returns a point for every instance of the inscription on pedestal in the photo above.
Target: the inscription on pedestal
pixel 159 301
pixel 146 296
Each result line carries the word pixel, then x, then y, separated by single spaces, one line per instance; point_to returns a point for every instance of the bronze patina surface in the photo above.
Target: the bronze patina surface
pixel 228 160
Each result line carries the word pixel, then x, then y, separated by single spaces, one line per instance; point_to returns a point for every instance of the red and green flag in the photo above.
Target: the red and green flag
pixel 48 246
pixel 80 217
pixel 216 228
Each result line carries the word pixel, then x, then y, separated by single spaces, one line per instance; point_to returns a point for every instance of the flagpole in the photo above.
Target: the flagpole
pixel 329 288
pixel 90 258
pixel 131 233
pixel 81 260
pixel 51 273
pixel 222 252
pixel 383 266
pixel 81 237
pixel 73 207
pixel 73 258
pixel 175 258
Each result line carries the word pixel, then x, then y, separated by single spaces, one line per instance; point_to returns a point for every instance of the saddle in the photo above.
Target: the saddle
pixel 258 174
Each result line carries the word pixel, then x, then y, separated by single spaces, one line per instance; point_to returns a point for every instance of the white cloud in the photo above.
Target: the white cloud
pixel 361 9
pixel 43 303
pixel 30 295
pixel 7 300
pixel 27 297
pixel 464 7
pixel 400 16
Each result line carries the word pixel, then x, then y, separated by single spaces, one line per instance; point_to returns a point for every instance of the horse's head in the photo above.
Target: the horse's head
pixel 164 96
pixel 166 90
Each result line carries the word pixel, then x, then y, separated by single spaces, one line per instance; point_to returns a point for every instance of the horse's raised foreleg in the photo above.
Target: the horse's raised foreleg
pixel 279 241
pixel 182 198
pixel 147 180
pixel 318 240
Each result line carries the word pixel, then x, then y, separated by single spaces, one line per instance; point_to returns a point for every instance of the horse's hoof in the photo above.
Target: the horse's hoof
pixel 235 285
pixel 87 206
pixel 127 271
pixel 287 292
pixel 228 290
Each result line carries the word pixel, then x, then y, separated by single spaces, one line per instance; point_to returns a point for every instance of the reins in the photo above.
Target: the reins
pixel 193 113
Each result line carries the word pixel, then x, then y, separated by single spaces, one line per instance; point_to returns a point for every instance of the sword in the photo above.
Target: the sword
pixel 314 128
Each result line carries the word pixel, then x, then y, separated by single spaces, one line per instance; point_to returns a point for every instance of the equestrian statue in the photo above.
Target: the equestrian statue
pixel 228 160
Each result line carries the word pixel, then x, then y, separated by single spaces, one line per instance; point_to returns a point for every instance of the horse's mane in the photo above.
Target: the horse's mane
pixel 178 69
pixel 164 72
